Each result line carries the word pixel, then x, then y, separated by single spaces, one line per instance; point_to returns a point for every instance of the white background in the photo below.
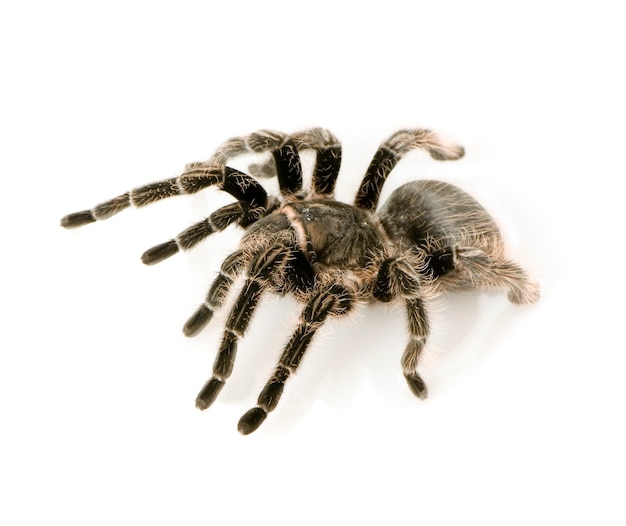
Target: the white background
pixel 525 420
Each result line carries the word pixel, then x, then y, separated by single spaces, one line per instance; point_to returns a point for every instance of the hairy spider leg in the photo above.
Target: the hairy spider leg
pixel 252 204
pixel 193 179
pixel 230 270
pixel 389 154
pixel 261 269
pixel 417 323
pixel 399 277
pixel 335 301
pixel 289 170
pixel 494 270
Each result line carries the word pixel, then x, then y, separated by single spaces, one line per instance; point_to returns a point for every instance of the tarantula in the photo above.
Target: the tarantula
pixel 427 238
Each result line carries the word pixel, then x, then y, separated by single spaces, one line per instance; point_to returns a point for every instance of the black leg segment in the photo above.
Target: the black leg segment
pixel 327 165
pixel 288 169
pixel 368 194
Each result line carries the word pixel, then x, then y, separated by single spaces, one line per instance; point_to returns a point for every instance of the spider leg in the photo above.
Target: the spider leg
pixel 288 170
pixel 418 332
pixel 261 269
pixel 194 178
pixel 399 277
pixel 285 162
pixel 252 204
pixel 335 301
pixel 229 271
pixel 483 269
pixel 190 237
pixel 327 161
pixel 389 154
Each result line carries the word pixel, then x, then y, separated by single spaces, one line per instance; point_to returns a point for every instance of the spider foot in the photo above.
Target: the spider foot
pixel 198 321
pixel 251 421
pixel 525 295
pixel 78 219
pixel 209 393
pixel 417 385
pixel 160 252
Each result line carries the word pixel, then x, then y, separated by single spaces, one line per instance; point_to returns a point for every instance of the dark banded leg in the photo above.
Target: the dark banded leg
pixel 389 154
pixel 327 160
pixel 336 301
pixel 418 332
pixel 191 236
pixel 229 271
pixel 261 269
pixel 288 170
pixel 327 165
pixel 194 179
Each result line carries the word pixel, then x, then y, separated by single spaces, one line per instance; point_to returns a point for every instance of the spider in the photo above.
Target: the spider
pixel 429 237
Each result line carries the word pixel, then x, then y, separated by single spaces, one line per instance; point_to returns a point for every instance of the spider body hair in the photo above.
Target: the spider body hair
pixel 428 238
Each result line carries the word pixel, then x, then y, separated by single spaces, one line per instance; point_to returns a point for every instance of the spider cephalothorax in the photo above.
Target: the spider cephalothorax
pixel 427 238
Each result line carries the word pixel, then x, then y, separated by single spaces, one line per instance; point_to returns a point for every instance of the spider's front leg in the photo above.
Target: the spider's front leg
pixel 334 301
pixel 193 179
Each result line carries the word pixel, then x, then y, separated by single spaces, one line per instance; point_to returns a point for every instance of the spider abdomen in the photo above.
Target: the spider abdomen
pixel 434 215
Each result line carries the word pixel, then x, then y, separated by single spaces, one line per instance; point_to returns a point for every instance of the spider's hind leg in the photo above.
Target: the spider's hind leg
pixel 482 269
pixel 335 301
pixel 399 277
